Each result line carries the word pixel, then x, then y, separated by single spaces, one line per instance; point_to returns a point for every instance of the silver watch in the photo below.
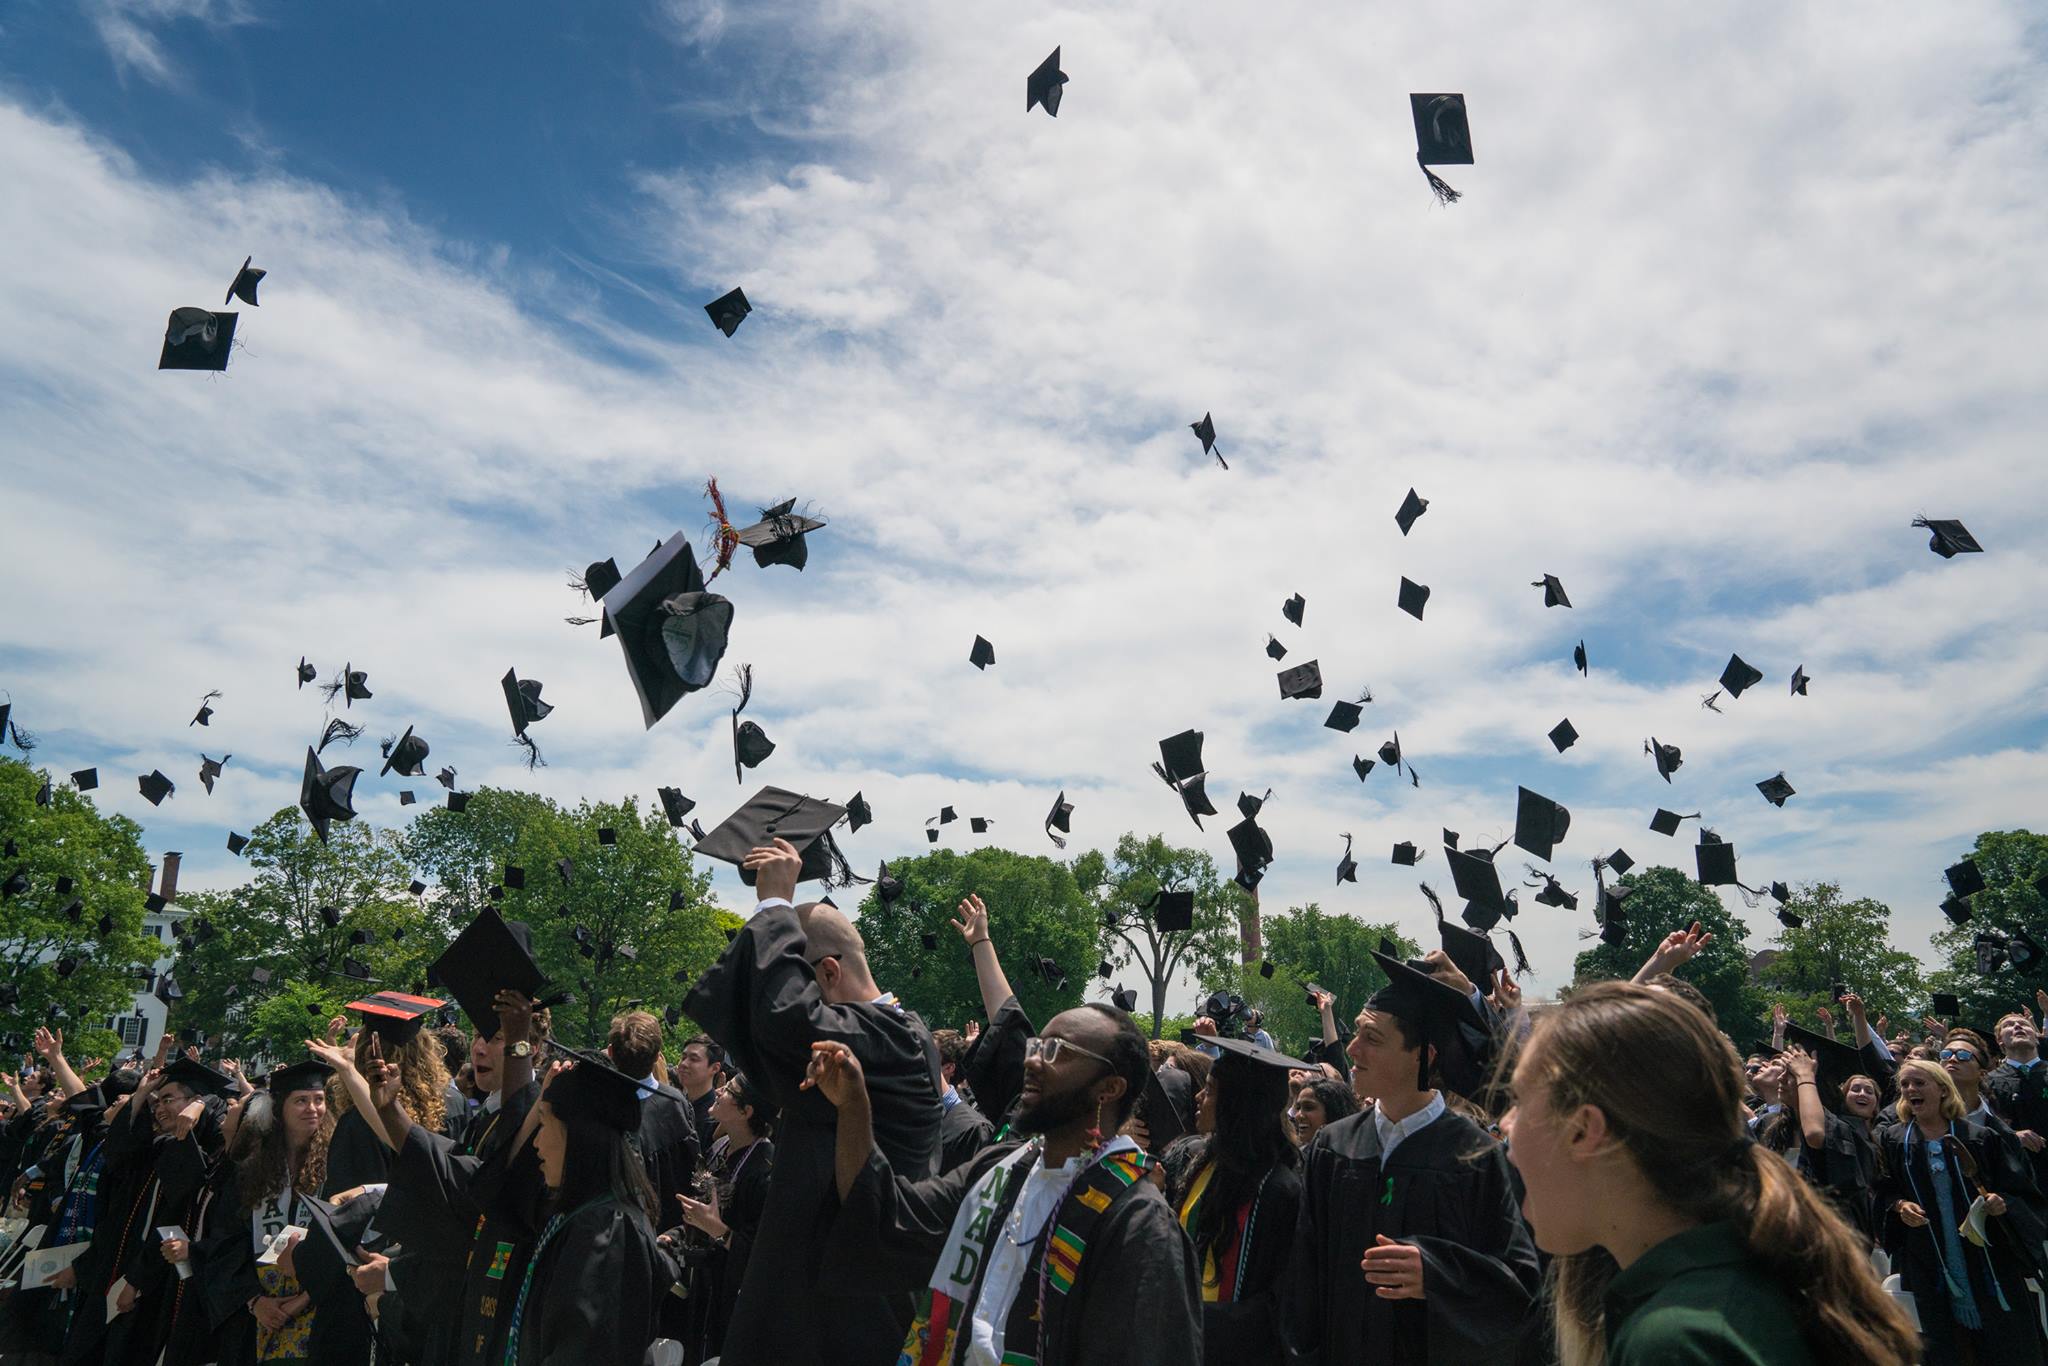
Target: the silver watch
pixel 522 1049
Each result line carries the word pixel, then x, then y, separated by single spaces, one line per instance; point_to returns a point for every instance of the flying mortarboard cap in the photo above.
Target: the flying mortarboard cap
pixel 1539 823
pixel 1413 598
pixel 1411 508
pixel 1563 736
pixel 1666 822
pixel 1790 918
pixel 947 815
pixel 244 285
pixel 1055 976
pixel 1044 84
pixel 406 797
pixel 887 886
pixel 66 965
pixel 1361 767
pixel 204 717
pixel 1252 845
pixel 1124 999
pixel 1265 968
pixel 858 813
pixel 1553 591
pixel 1945 1004
pixel 446 777
pixel 395 1017
pixel 16 884
pixel 1956 908
pixel 1477 880
pixel 197 339
pixel 43 793
pixel 1739 675
pixel 672 631
pixel 458 802
pixel 74 909
pixel 607 835
pixel 416 887
pixel 1345 716
pixel 1406 854
pixel 1295 608
pixel 327 794
pixel 490 955
pixel 981 654
pixel 1776 790
pixel 1205 432
pixel 979 824
pixel 406 756
pixel 2026 951
pixel 310 1075
pixel 1472 953
pixel 515 877
pixel 1443 137
pixel 1390 752
pixel 1716 861
pixel 1799 681
pixel 307 672
pixel 676 807
pixel 1060 819
pixel 153 902
pixel 1347 871
pixel 1668 758
pixel 1553 893
pixel 780 536
pixel 805 822
pixel 1950 538
pixel 331 915
pixel 1174 910
pixel 1274 649
pixel 728 310
pixel 64 886
pixel 1990 948
pixel 155 786
pixel 1301 681
pixel 86 779
pixel 1964 879
pixel 1620 862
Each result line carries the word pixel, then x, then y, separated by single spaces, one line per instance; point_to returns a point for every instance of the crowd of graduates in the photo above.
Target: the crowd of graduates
pixel 820 1177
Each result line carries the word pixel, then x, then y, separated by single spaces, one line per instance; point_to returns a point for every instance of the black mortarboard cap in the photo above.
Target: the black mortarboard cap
pixel 1478 881
pixel 1390 752
pixel 1956 908
pixel 153 903
pixel 1790 918
pixel 1579 656
pixel 1301 681
pixel 446 777
pixel 515 877
pixel 1345 716
pixel 155 786
pixel 1124 999
pixel 1205 432
pixel 887 886
pixel 1716 863
pixel 1295 608
pixel 805 822
pixel 1252 845
pixel 66 965
pixel 1835 1061
pixel 1411 508
pixel 1563 736
pixel 1776 790
pixel 2026 951
pixel 310 1075
pixel 307 672
pixel 858 813
pixel 73 910
pixel 1945 1004
pixel 197 339
pixel 676 806
pixel 244 285
pixel 491 955
pixel 672 631
pixel 1347 871
pixel 593 1088
pixel 1990 948
pixel 1414 597
pixel 1443 137
pixel 729 310
pixel 395 1017
pixel 1620 862
pixel 16 883
pixel 1666 822
pixel 458 801
pixel 1739 675
pixel 86 779
pixel 416 887
pixel 1274 649
pixel 1950 538
pixel 1964 879
pixel 1553 591
pixel 198 1078
pixel 1668 758
pixel 331 915
pixel 1472 953
pixel 44 792
pixel 327 794
pixel 607 835
pixel 106 925
pixel 1406 854
pixel 405 757
pixel 406 797
pixel 1434 1008
pixel 947 815
pixel 1540 823
pixel 1180 767
pixel 210 769
pixel 1174 911
pixel 1265 968
pixel 1059 819
pixel 204 717
pixel 1799 681
pixel 979 824
pixel 981 654
pixel 1044 84
pixel 1243 1050
pixel 1053 974
pixel 1361 766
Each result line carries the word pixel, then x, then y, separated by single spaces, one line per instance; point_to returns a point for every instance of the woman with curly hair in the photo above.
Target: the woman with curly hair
pixel 359 1153
pixel 1316 1104
pixel 279 1163
pixel 1676 1237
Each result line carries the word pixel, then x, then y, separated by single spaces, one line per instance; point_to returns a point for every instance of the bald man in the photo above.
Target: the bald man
pixel 795 975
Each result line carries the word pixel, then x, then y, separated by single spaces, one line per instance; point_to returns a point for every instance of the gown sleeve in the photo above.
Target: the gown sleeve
pixel 1155 1268
pixel 994 1066
pixel 597 1302
pixel 225 1263
pixel 1480 1283
pixel 890 1230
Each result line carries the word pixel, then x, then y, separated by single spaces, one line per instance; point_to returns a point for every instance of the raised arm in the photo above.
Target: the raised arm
pixel 835 1074
pixel 343 1061
pixel 1678 948
pixel 50 1044
pixel 1778 1022
pixel 988 968
pixel 1813 1120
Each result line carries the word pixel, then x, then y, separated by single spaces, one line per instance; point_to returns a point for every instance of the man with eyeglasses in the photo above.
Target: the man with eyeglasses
pixel 1055 1250
pixel 794 975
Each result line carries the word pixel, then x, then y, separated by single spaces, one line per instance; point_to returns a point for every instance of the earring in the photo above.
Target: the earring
pixel 1094 1135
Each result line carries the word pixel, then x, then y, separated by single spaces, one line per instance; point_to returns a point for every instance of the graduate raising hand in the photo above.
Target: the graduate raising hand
pixel 835 1074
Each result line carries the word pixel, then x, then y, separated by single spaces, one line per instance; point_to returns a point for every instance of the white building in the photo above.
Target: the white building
pixel 143 1025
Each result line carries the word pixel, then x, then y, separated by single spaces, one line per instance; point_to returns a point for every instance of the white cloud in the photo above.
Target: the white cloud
pixel 1731 296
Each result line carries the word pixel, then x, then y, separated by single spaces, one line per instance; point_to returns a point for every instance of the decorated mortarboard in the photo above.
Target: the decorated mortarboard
pixel 405 756
pixel 1295 609
pixel 205 713
pixel 1406 854
pixel 1799 681
pixel 1716 863
pixel 981 654
pixel 1347 867
pixel 1540 823
pixel 1443 137
pixel 1553 591
pixel 1205 432
pixel 85 779
pixel 1964 879
pixel 310 1075
pixel 1301 681
pixel 395 1017
pixel 1173 910
pixel 197 339
pixel 729 310
pixel 491 955
pixel 1345 716
pixel 243 286
pixel 1059 820
pixel 1275 651
pixel 676 807
pixel 1949 539
pixel 155 786
pixel 1412 507
pixel 672 631
pixel 1043 86
pixel 1180 767
pixel 1776 790
pixel 1579 657
pixel 806 822
pixel 1739 676
pixel 1361 766
pixel 198 1078
pixel 750 744
pixel 1413 597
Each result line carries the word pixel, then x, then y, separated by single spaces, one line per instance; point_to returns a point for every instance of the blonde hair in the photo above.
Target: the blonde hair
pixel 1951 1098
pixel 1687 1137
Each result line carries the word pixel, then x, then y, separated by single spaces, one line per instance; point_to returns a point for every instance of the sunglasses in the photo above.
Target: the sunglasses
pixel 1049 1051
pixel 1959 1055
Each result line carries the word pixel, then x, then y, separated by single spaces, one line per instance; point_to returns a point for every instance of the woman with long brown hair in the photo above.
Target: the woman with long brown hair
pixel 1933 1166
pixel 358 1152
pixel 1676 1237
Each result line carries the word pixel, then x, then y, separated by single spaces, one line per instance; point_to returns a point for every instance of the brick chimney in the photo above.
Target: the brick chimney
pixel 167 887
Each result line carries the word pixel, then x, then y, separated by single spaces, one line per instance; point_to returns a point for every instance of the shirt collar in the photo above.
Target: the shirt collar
pixel 1708 1245
pixel 951 1097
pixel 1391 1132
pixel 2026 1066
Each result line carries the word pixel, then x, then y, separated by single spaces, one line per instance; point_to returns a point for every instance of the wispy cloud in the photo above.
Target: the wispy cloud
pixel 129 28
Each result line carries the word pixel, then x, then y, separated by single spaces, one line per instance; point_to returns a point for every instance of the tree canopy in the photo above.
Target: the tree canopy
pixel 1124 889
pixel 1845 943
pixel 1663 900
pixel 2014 864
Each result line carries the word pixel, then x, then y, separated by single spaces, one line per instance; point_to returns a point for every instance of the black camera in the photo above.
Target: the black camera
pixel 1226 1009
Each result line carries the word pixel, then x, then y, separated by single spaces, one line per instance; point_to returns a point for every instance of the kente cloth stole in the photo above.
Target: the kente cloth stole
pixel 1056 1260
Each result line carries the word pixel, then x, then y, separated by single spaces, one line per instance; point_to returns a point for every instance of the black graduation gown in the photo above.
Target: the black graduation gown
pixel 595 1289
pixel 1137 1302
pixel 2021 1097
pixel 963 1132
pixel 325 1257
pixel 1845 1168
pixel 187 1331
pixel 178 1171
pixel 355 1156
pixel 761 1001
pixel 2010 1337
pixel 668 1146
pixel 1448 1191
pixel 226 1273
pixel 993 1065
pixel 125 1187
pixel 1245 1331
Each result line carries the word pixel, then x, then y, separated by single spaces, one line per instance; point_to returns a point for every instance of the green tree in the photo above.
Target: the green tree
pixel 1333 952
pixel 627 923
pixel 2013 863
pixel 1663 900
pixel 1841 942
pixel 103 856
pixel 274 1030
pixel 1035 912
pixel 1124 889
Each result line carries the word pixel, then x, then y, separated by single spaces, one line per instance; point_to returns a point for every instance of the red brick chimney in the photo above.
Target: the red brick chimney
pixel 167 886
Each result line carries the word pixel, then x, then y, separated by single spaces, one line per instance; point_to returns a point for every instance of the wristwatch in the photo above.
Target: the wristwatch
pixel 522 1049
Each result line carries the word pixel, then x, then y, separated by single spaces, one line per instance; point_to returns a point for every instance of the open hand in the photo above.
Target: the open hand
pixel 973 921
pixel 835 1073
pixel 1912 1215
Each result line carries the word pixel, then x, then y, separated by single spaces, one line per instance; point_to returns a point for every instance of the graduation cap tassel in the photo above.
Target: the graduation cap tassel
pixel 1436 903
pixel 1522 968
pixel 24 740
pixel 1443 192
pixel 1752 897
pixel 533 759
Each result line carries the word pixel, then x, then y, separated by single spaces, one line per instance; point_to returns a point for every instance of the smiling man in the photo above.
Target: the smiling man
pixel 1051 1251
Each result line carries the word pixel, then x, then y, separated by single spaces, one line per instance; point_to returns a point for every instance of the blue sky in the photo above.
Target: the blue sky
pixel 1731 297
